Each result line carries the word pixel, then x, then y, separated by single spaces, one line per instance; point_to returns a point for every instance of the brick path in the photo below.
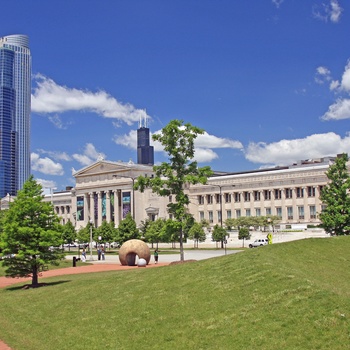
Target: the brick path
pixel 5 281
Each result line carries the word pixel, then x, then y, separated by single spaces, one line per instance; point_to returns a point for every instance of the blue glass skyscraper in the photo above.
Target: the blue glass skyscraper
pixel 15 94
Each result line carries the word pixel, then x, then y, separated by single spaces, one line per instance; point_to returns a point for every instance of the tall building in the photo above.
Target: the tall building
pixel 15 94
pixel 145 152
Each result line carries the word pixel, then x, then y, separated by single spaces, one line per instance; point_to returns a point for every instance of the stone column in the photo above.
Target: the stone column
pixel 108 206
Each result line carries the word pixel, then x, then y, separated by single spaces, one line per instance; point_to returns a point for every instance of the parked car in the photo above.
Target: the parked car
pixel 83 245
pixel 114 245
pixel 259 242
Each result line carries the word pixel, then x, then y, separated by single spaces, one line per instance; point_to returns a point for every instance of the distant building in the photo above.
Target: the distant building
pixel 104 191
pixel 15 95
pixel 145 152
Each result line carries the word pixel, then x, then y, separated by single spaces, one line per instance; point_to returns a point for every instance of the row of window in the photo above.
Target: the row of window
pixel 248 212
pixel 298 192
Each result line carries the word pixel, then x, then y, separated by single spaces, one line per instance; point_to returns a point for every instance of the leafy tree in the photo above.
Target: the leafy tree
pixel 127 230
pixel 155 231
pixel 197 233
pixel 243 233
pixel 106 231
pixel 335 195
pixel 219 234
pixel 83 234
pixel 30 229
pixel 69 234
pixel 170 178
pixel 230 224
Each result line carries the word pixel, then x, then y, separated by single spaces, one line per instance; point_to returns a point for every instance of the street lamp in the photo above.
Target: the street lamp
pixel 133 191
pixel 91 222
pixel 220 187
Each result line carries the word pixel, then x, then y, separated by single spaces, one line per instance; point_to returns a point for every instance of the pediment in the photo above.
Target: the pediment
pixel 105 167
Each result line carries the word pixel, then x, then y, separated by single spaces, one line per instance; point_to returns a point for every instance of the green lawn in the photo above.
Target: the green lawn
pixel 293 295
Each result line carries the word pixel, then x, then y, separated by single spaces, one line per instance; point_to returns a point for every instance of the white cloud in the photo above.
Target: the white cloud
pixel 56 155
pixel 338 110
pixel 328 12
pixel 322 74
pixel 277 2
pixel 288 151
pixel 204 144
pixel 47 185
pixel 90 155
pixel 45 165
pixel 345 81
pixel 49 97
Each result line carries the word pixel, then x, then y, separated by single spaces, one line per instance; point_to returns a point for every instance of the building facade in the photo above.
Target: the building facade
pixel 104 191
pixel 15 97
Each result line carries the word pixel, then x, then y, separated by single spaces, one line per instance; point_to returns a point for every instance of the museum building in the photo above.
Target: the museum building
pixel 104 191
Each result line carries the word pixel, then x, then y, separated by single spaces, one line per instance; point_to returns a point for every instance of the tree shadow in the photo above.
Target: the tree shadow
pixel 39 285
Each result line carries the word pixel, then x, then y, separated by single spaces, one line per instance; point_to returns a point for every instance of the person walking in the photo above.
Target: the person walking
pixel 103 253
pixel 83 255
pixel 156 253
pixel 99 253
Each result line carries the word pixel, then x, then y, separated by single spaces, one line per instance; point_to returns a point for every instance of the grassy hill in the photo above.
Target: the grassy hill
pixel 293 295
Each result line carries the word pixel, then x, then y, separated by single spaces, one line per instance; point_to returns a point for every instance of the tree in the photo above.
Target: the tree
pixel 197 233
pixel 69 234
pixel 30 230
pixel 106 231
pixel 127 230
pixel 155 231
pixel 219 234
pixel 335 216
pixel 170 178
pixel 243 233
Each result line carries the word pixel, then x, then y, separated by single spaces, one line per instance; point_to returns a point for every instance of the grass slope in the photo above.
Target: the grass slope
pixel 286 296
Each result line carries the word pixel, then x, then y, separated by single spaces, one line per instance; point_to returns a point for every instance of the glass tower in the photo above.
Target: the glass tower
pixel 15 94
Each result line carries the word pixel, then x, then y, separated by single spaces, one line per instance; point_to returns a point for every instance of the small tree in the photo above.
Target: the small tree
pixel 219 234
pixel 69 234
pixel 106 231
pixel 171 178
pixel 243 233
pixel 127 230
pixel 197 233
pixel 155 231
pixel 30 230
pixel 335 195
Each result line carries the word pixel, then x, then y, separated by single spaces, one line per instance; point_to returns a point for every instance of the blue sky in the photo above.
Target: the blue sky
pixel 268 80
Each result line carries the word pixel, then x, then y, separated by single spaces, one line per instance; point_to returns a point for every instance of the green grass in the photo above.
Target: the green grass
pixel 293 296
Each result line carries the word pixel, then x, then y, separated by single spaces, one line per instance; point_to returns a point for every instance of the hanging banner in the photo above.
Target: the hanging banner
pixel 126 203
pixel 80 208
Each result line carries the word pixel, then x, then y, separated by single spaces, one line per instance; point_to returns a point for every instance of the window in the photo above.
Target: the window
pixel 218 198
pixel 246 196
pixel 200 200
pixel 170 199
pixel 289 193
pixel 257 195
pixel 247 212
pixel 312 209
pixel 238 213
pixel 278 194
pixel 237 197
pixel 227 197
pixel 210 213
pixel 257 212
pixel 267 195
pixel 323 207
pixel 300 192
pixel 219 216
pixel 229 214
pixel 279 212
pixel 209 199
pixel 201 215
pixel 301 213
pixel 311 191
pixel 290 213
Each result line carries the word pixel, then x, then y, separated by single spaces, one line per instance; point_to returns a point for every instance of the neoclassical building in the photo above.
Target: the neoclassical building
pixel 104 191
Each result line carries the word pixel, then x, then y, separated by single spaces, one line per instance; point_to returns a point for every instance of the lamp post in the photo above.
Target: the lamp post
pixel 133 191
pixel 91 222
pixel 220 188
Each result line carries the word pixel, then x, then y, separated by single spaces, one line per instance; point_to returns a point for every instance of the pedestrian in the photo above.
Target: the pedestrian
pixel 99 253
pixel 156 256
pixel 83 255
pixel 103 253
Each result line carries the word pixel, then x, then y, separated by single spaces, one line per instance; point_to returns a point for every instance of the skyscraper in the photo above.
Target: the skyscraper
pixel 145 152
pixel 15 94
